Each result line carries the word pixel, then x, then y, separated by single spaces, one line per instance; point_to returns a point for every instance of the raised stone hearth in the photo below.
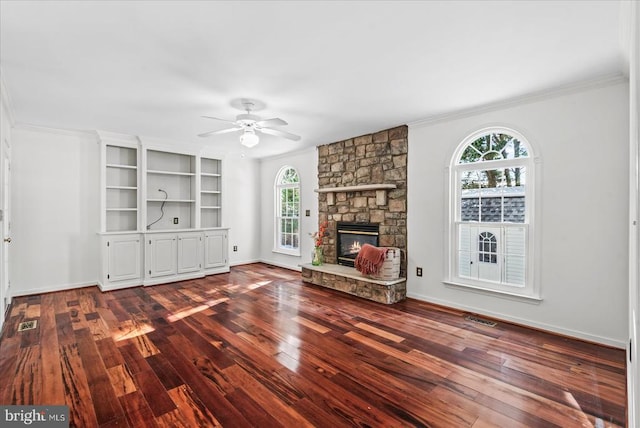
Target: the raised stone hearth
pixel 349 280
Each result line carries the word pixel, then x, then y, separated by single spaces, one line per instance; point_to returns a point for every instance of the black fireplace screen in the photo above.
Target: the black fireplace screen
pixel 351 237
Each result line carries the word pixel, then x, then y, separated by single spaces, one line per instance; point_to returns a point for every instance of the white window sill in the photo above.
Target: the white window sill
pixel 527 298
pixel 295 253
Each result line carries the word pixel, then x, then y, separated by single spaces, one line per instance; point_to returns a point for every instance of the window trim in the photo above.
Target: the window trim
pixel 278 187
pixel 531 290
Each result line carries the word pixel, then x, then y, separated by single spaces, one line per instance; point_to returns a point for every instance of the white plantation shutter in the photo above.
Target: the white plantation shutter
pixel 515 241
pixel 464 250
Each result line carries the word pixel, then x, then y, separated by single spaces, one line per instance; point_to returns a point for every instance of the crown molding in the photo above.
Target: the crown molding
pixel 600 82
pixel 59 131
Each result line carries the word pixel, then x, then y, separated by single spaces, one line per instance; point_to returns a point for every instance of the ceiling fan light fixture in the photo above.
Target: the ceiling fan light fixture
pixel 249 138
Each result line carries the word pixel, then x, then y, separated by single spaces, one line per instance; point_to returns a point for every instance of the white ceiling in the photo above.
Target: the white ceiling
pixel 332 69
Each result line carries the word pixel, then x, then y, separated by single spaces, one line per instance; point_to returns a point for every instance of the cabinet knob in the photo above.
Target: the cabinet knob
pixel 7 239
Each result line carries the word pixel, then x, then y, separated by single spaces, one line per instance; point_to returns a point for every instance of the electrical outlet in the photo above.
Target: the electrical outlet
pixel 235 248
pixel 175 220
pixel 418 271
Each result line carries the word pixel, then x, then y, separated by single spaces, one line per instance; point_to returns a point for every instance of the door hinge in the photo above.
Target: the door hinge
pixel 149 272
pixel 108 276
pixel 107 243
pixel 630 350
pixel 149 241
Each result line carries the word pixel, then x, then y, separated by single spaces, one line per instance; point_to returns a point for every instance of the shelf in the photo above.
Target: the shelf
pixel 171 200
pixel 210 207
pixel 213 192
pixel 113 165
pixel 122 188
pixel 207 174
pixel 122 209
pixel 157 172
pixel 360 188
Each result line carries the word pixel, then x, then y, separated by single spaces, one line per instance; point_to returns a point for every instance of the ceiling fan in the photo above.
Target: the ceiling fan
pixel 249 124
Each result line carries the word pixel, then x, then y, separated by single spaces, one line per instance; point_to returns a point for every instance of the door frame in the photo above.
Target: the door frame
pixel 5 224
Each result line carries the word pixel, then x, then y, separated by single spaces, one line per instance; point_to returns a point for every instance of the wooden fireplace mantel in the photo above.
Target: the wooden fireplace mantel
pixel 359 188
pixel 380 188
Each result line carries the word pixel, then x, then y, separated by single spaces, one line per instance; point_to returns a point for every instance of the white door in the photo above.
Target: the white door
pixel 123 258
pixel 189 253
pixel 215 249
pixel 5 187
pixel 163 255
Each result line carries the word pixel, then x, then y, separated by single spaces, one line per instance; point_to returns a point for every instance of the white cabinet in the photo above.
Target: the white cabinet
pixel 189 252
pixel 173 256
pixel 215 249
pixel 161 255
pixel 122 261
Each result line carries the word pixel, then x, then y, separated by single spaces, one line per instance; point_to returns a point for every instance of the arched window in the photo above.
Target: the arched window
pixel 287 228
pixel 491 229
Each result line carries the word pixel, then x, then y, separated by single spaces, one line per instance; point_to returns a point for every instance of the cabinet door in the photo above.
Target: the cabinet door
pixel 123 258
pixel 189 253
pixel 215 249
pixel 163 255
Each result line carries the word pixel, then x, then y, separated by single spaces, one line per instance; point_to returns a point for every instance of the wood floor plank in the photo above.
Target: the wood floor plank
pixel 191 411
pixel 76 387
pixel 53 390
pixel 105 402
pixel 121 380
pixel 258 347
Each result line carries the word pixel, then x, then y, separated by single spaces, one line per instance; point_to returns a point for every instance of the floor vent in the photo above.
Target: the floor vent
pixel 27 325
pixel 480 321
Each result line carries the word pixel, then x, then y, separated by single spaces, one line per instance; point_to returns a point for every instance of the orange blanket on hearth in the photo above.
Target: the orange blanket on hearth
pixel 370 259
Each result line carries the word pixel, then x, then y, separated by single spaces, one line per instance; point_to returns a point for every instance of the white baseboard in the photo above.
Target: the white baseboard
pixel 52 288
pixel 525 322
pixel 245 262
pixel 295 267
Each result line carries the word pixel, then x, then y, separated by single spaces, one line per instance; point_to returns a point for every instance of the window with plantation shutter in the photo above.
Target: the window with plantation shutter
pixel 492 178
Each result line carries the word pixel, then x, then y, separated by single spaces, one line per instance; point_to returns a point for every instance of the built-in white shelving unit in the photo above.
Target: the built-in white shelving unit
pixel 161 214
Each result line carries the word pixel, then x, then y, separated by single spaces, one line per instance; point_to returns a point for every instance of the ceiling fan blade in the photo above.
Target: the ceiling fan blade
pixel 222 131
pixel 279 133
pixel 217 118
pixel 276 121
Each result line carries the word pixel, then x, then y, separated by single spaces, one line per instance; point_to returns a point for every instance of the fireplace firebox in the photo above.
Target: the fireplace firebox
pixel 351 237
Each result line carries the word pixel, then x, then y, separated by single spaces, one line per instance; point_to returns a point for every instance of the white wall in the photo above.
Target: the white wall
pixel 582 137
pixel 305 163
pixel 241 208
pixel 55 204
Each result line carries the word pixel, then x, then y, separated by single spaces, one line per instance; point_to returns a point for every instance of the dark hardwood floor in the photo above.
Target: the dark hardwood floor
pixel 259 348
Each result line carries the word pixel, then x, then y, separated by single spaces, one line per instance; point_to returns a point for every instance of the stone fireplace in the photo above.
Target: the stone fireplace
pixel 351 237
pixel 364 180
